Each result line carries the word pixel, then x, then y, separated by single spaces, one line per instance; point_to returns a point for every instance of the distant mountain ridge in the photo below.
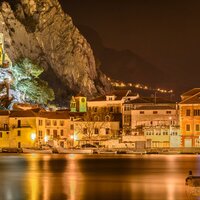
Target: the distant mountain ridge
pixel 123 65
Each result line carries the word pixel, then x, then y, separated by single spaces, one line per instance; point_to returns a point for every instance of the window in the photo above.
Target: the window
pixel 40 122
pixel 187 127
pixel 40 133
pixel 18 123
pixel 48 132
pixel 1 134
pixel 187 112
pixel 127 107
pixel 54 133
pixel 72 127
pixel 54 122
pixel 48 123
pixel 96 131
pixel 127 119
pixel 168 112
pixel 61 132
pixel 96 118
pixel 107 118
pixel 141 112
pixel 85 131
pixel 18 133
pixel 107 131
pixel 155 112
pixel 95 109
pixel 196 112
pixel 61 123
pixel 197 127
pixel 5 127
pixel 111 109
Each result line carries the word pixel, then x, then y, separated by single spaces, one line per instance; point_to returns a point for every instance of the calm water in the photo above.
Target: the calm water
pixel 95 177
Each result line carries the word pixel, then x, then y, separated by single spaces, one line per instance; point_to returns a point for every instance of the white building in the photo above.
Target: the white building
pixel 157 122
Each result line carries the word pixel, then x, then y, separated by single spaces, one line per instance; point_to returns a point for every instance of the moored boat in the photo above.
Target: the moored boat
pixel 192 186
pixel 42 151
pixel 74 151
pixel 107 151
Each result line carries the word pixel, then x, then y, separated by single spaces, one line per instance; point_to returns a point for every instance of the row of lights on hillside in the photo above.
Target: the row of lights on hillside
pixel 139 86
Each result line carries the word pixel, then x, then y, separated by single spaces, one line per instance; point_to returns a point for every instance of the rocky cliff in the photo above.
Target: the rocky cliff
pixel 41 31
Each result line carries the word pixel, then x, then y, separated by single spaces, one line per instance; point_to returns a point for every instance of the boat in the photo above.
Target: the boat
pixel 107 151
pixel 41 151
pixel 135 152
pixel 192 186
pixel 74 151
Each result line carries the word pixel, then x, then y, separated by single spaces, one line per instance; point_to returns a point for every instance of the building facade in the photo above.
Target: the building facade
pixel 190 118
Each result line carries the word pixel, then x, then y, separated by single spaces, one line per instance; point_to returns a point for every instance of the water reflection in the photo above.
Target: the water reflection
pixel 84 177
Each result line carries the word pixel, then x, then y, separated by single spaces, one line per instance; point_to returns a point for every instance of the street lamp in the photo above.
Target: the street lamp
pixel 33 136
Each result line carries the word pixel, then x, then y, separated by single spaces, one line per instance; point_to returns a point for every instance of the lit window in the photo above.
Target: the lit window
pixel 197 127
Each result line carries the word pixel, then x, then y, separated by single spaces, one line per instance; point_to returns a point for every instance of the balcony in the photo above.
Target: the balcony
pixel 22 126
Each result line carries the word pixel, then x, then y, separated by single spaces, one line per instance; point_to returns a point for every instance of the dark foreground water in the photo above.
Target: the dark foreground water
pixel 95 177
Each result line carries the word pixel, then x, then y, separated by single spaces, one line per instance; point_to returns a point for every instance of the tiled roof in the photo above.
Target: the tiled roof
pixel 4 112
pixel 155 108
pixel 22 113
pixel 150 100
pixel 190 92
pixel 195 99
pixel 54 115
pixel 119 94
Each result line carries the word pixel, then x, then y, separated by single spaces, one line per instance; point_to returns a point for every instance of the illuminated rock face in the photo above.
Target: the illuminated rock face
pixel 41 31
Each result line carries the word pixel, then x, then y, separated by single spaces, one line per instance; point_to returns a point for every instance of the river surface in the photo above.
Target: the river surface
pixel 95 177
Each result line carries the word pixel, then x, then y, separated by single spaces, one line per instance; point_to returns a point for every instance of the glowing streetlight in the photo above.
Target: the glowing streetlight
pixel 46 138
pixel 33 136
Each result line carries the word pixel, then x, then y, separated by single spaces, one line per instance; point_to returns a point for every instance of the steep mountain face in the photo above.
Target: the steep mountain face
pixel 41 31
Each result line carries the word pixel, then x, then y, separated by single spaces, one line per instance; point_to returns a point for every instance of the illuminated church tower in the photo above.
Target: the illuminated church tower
pixel 78 104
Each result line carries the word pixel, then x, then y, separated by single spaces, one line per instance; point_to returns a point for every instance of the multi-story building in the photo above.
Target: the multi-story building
pixel 190 118
pixel 110 105
pixel 26 128
pixel 95 132
pixel 155 119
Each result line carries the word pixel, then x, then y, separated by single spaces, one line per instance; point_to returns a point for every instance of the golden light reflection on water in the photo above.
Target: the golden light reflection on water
pixel 33 179
pixel 45 181
pixel 83 177
pixel 73 177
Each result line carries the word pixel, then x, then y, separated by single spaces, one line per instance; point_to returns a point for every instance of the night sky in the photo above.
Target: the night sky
pixel 165 34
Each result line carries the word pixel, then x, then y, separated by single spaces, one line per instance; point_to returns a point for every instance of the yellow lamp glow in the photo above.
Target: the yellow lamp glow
pixel 33 136
pixel 46 138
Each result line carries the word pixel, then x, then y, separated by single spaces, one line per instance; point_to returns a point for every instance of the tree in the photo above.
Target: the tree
pixel 28 84
pixel 89 126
